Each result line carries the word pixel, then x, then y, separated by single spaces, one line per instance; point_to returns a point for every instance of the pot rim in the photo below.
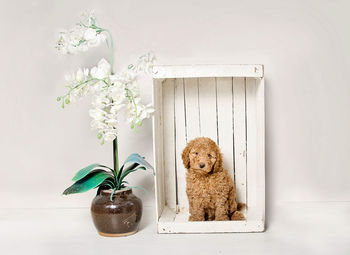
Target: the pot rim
pixel 109 191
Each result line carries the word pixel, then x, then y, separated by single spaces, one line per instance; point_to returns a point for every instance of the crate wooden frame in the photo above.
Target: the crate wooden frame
pixel 231 100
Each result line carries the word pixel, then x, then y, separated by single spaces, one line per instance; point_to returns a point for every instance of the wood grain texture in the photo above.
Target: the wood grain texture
pixel 192 108
pixel 260 103
pixel 158 147
pixel 252 181
pixel 180 129
pixel 190 71
pixel 207 108
pixel 169 142
pixel 240 143
pixel 225 121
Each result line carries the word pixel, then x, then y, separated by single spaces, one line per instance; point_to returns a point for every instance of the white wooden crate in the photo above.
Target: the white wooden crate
pixel 225 103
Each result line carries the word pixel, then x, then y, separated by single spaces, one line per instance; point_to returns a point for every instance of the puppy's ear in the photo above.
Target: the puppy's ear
pixel 219 161
pixel 186 155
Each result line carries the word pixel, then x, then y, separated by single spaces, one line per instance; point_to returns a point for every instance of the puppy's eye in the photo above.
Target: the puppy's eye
pixel 196 153
pixel 209 155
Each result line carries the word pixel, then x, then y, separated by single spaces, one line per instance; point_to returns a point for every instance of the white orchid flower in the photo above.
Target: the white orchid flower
pixel 109 135
pixel 97 114
pixel 102 70
pixel 82 37
pixel 80 76
pixel 98 125
pixel 111 93
pixel 90 34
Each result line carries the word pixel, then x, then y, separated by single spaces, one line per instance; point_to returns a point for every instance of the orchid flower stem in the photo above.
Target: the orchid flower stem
pixel 115 157
pixel 132 100
pixel 115 141
pixel 83 83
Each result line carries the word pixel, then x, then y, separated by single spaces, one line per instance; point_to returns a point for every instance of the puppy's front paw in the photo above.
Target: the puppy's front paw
pixel 222 217
pixel 237 216
pixel 195 218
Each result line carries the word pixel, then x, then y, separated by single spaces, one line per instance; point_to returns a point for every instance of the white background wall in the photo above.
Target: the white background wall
pixel 304 46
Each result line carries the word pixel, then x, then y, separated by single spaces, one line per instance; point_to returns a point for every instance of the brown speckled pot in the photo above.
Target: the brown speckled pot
pixel 120 217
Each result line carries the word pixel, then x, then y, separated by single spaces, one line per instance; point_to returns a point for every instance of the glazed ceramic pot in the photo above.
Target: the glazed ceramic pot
pixel 119 217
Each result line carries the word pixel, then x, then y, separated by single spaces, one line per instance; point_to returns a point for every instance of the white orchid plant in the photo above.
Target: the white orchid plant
pixel 111 92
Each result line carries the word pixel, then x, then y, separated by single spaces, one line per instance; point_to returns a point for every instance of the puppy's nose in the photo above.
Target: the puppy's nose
pixel 201 165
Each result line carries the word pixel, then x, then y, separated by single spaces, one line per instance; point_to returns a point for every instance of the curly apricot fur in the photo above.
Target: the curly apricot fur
pixel 209 187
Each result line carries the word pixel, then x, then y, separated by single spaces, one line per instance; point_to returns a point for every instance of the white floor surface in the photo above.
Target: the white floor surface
pixel 292 228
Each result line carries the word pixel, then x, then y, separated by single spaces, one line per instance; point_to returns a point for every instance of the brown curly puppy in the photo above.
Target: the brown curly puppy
pixel 210 189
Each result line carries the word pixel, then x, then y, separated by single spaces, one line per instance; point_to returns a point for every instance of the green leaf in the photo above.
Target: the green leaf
pixel 136 158
pixel 133 163
pixel 128 171
pixel 119 173
pixel 86 170
pixel 122 170
pixel 112 193
pixel 88 182
pixel 110 182
pixel 103 186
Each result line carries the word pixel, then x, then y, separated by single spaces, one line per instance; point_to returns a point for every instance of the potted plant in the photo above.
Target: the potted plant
pixel 115 210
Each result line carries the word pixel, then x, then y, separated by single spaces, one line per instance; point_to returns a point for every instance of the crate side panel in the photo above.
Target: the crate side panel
pixel 207 108
pixel 252 182
pixel 158 146
pixel 224 96
pixel 180 139
pixel 169 142
pixel 261 148
pixel 240 143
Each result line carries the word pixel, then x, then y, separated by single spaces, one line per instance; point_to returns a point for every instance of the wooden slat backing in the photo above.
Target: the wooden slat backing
pixel 192 130
pixel 169 142
pixel 207 108
pixel 192 108
pixel 225 121
pixel 180 138
pixel 239 127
